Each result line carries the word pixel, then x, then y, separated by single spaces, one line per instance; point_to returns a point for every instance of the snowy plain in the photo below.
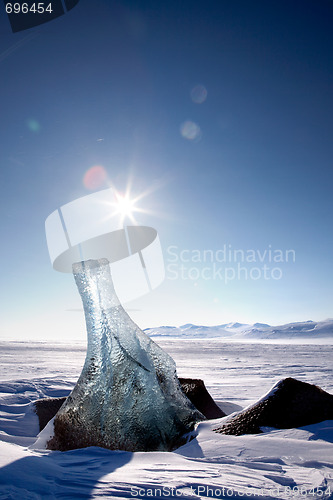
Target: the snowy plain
pixel 289 463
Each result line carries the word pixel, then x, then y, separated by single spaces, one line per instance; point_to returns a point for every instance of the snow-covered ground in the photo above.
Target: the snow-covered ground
pixel 292 463
pixel 312 331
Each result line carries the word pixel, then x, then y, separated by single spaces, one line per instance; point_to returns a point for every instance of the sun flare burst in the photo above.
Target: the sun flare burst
pixel 125 206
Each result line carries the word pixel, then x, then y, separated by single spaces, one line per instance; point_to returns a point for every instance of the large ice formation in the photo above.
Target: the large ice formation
pixel 128 396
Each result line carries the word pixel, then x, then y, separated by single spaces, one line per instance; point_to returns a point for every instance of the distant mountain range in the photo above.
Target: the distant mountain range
pixel 304 330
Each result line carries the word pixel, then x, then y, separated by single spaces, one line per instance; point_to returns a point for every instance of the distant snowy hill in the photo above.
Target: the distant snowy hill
pixel 306 329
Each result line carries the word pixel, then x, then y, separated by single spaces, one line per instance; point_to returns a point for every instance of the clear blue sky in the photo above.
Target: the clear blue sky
pixel 111 84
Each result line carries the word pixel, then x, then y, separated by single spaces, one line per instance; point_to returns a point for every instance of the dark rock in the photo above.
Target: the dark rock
pixel 291 403
pixel 196 391
pixel 46 409
pixel 193 388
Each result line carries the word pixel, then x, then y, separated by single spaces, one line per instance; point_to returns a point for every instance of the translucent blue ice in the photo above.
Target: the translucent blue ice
pixel 128 396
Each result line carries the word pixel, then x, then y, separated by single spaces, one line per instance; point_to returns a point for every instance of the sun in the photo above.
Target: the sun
pixel 125 205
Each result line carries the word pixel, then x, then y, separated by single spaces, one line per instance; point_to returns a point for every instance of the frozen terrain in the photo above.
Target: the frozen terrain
pixel 292 463
pixel 305 330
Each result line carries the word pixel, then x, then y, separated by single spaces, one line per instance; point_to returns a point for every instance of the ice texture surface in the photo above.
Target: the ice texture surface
pixel 128 396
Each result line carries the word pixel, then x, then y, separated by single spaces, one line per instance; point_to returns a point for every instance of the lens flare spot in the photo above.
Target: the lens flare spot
pixel 95 177
pixel 33 125
pixel 199 94
pixel 190 130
